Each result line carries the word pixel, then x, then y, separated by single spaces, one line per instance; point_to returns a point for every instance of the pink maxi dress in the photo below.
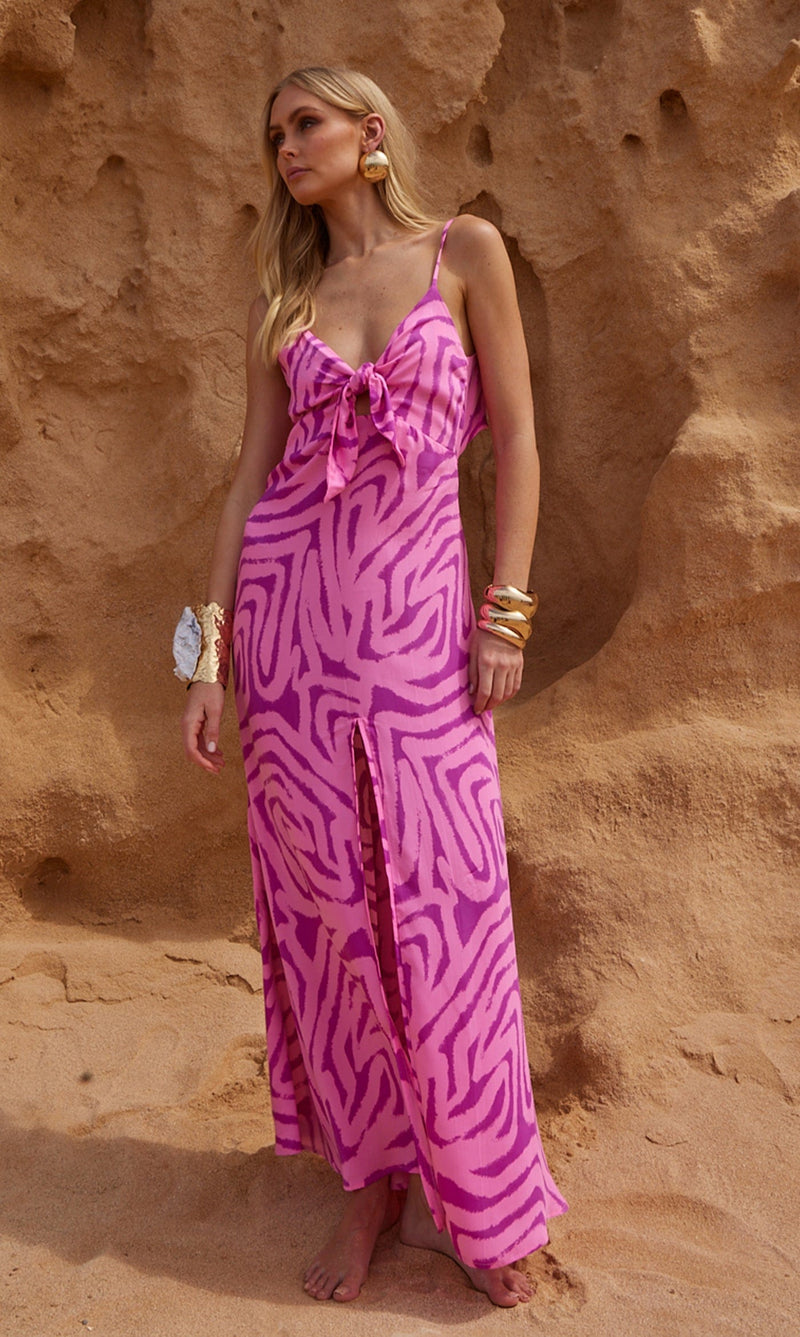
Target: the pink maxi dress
pixel 394 1025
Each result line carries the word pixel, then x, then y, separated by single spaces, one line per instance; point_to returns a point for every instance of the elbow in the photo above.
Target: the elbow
pixel 518 444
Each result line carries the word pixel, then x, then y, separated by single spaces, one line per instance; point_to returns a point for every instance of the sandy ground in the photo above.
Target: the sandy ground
pixel 141 1194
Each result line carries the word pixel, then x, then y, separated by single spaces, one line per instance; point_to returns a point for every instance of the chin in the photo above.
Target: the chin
pixel 302 191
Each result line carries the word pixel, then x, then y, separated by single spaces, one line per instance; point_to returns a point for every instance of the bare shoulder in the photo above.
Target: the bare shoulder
pixel 474 243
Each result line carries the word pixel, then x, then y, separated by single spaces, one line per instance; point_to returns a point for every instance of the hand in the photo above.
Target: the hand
pixel 200 724
pixel 495 670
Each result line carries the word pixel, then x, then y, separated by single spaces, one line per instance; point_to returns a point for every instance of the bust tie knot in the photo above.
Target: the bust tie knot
pixel 343 449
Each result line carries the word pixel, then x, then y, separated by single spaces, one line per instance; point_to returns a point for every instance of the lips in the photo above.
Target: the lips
pixel 295 171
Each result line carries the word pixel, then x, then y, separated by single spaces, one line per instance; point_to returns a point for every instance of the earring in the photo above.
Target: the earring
pixel 373 166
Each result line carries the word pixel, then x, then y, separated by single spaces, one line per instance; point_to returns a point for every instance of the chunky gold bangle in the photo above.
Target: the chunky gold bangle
pixel 509 613
pixel 506 633
pixel 512 599
pixel 216 625
pixel 202 644
pixel 517 622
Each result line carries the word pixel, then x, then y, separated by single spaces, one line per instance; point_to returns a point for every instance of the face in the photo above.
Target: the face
pixel 317 146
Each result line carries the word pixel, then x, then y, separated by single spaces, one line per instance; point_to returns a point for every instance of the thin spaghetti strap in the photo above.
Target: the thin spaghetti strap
pixel 439 256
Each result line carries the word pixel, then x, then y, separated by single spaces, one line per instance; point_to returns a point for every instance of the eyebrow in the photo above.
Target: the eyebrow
pixel 298 111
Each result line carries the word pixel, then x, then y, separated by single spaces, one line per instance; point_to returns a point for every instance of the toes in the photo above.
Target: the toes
pixel 347 1289
pixel 503 1297
pixel 344 1293
pixel 519 1283
pixel 312 1278
pixel 515 1284
pixel 507 1288
pixel 324 1289
pixel 319 1283
pixel 322 1284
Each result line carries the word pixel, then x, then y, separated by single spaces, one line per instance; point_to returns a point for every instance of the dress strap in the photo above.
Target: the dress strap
pixel 439 256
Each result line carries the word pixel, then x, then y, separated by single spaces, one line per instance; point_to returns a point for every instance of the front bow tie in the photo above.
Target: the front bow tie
pixel 343 450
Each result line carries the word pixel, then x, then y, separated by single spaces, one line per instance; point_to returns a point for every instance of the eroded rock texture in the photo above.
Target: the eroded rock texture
pixel 642 163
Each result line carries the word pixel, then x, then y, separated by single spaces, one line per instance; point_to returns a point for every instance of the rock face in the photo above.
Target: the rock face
pixel 642 163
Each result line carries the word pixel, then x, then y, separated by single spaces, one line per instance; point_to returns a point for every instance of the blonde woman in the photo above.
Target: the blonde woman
pixel 382 341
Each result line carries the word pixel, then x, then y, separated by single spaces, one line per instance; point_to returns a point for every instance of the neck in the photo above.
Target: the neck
pixel 357 222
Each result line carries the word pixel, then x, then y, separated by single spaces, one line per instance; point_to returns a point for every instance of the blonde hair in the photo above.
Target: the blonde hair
pixel 290 241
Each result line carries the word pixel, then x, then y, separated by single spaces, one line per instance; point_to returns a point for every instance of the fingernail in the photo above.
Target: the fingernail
pixel 211 747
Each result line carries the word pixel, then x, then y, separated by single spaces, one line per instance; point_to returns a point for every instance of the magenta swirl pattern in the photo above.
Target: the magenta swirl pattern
pixel 394 1025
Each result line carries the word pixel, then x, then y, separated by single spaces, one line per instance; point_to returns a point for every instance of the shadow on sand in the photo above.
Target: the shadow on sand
pixel 228 1222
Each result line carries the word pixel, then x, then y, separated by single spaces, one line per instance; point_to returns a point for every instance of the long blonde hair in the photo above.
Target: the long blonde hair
pixel 290 241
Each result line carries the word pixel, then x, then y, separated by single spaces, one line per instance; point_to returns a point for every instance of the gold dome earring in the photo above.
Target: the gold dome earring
pixel 373 166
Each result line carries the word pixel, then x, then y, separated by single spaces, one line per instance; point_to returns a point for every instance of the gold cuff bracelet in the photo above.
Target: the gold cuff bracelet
pixel 516 622
pixel 216 626
pixel 512 599
pixel 505 633
pixel 508 613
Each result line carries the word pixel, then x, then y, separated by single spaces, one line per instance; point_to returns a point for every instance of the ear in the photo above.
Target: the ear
pixel 373 128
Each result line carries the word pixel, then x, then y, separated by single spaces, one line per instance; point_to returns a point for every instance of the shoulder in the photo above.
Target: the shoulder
pixel 473 241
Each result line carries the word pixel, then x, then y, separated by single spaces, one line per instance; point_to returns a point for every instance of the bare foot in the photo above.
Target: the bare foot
pixel 340 1268
pixel 505 1286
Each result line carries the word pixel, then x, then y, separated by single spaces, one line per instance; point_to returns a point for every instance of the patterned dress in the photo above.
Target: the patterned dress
pixel 394 1025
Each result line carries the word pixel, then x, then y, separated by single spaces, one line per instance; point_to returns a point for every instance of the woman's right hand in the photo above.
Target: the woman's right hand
pixel 201 721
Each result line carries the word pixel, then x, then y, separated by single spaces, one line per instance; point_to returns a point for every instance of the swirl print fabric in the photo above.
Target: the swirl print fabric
pixel 394 1024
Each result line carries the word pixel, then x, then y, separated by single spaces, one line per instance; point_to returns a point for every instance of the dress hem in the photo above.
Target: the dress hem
pixel 530 1242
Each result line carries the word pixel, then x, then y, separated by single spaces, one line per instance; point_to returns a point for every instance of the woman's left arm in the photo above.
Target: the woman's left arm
pixel 496 327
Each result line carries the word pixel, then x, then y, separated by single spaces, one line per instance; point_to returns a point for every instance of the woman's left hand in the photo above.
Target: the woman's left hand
pixel 495 670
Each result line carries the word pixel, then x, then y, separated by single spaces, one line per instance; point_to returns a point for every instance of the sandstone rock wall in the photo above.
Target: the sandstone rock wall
pixel 642 162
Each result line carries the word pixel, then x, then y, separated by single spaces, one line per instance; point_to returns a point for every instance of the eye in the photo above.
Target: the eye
pixel 306 121
pixel 276 139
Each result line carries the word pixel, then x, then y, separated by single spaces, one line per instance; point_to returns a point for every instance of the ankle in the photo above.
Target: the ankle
pixel 365 1203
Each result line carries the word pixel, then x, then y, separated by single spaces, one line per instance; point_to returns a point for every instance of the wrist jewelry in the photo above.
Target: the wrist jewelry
pixel 509 613
pixel 202 644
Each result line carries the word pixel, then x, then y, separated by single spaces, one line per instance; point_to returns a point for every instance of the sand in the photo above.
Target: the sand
pixel 141 1191
pixel 642 163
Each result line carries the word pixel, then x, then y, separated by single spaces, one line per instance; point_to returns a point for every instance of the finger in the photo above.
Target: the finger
pixel 484 688
pixel 495 700
pixel 473 665
pixel 194 744
pixel 211 755
pixel 508 679
pixel 502 686
pixel 520 670
pixel 211 728
pixel 192 724
pixel 215 759
pixel 511 683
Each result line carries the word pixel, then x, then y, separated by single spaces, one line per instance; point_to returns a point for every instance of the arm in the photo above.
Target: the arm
pixel 496 328
pixel 266 427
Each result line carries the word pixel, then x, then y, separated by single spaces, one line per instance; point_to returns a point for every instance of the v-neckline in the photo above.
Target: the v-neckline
pixel 432 287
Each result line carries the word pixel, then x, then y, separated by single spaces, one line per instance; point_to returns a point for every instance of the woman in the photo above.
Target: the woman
pixel 365 688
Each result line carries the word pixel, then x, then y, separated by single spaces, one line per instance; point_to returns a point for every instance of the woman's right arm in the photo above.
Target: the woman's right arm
pixel 266 427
